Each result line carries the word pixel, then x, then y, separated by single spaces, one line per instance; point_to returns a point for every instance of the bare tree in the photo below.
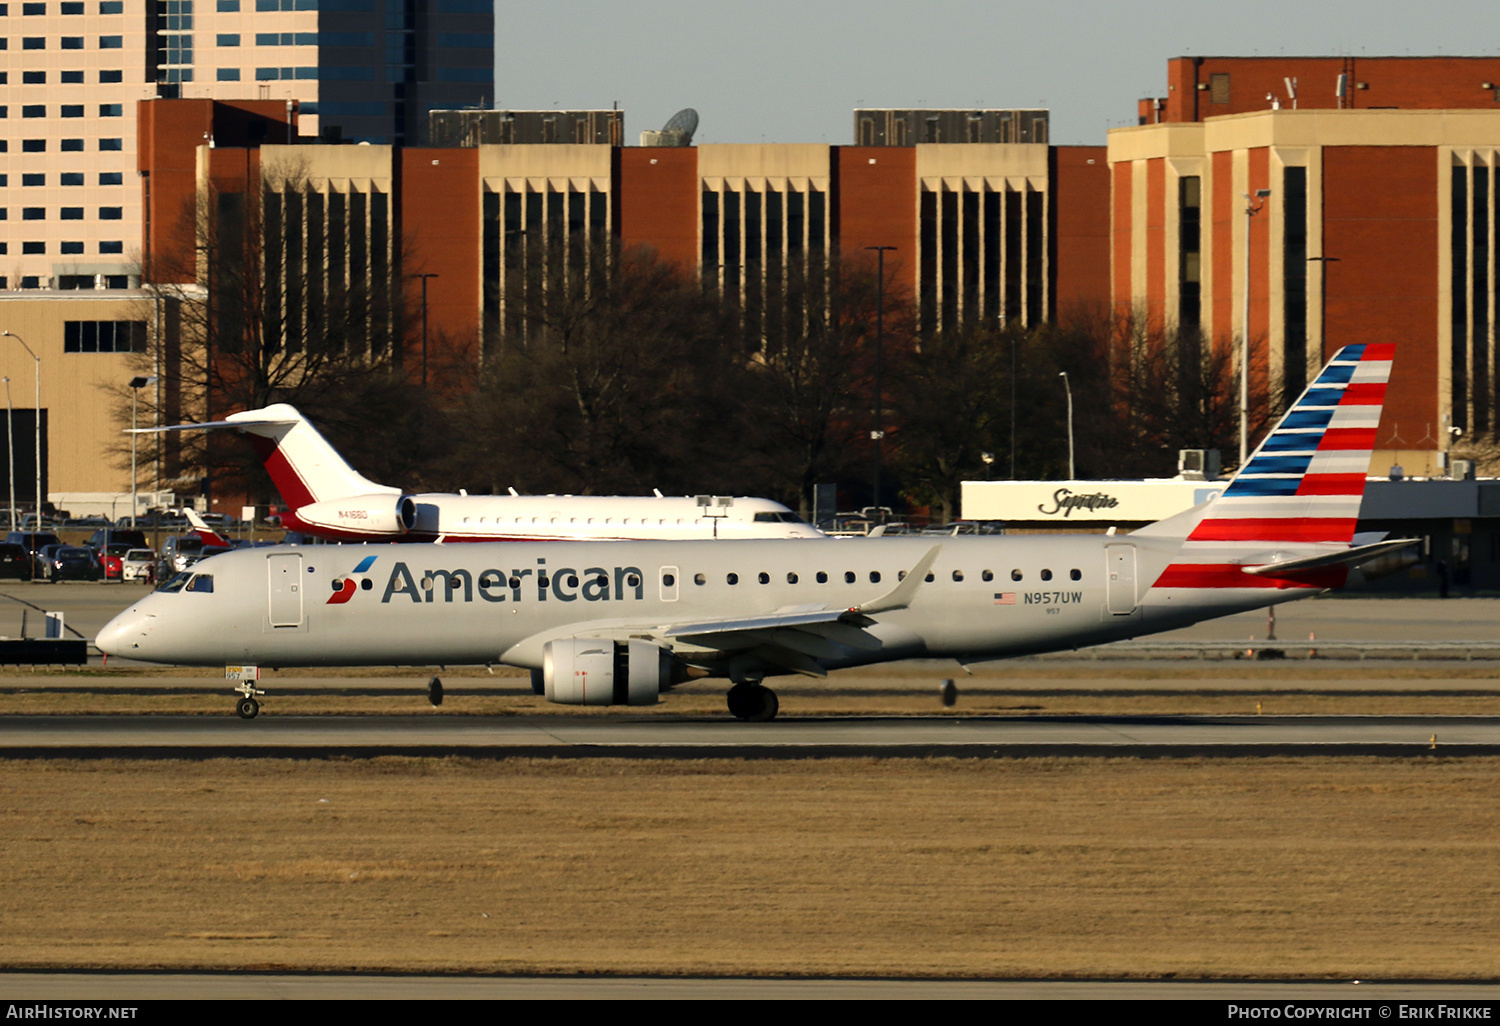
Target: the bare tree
pixel 613 374
pixel 285 292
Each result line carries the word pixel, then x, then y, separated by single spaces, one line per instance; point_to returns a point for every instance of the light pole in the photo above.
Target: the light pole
pixel 424 278
pixel 136 384
pixel 38 359
pixel 1068 385
pixel 877 433
pixel 1253 205
pixel 10 445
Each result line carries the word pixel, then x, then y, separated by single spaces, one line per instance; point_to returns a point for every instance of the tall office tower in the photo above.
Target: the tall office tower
pixel 73 71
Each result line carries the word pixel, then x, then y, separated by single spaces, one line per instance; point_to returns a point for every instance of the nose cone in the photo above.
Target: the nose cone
pixel 123 635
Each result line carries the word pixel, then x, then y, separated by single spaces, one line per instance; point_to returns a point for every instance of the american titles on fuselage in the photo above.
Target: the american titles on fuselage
pixel 541 583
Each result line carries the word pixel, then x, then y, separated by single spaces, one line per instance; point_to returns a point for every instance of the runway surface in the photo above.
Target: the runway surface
pixel 125 987
pixel 301 736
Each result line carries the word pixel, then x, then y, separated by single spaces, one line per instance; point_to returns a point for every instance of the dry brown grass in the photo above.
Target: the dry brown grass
pixel 1048 867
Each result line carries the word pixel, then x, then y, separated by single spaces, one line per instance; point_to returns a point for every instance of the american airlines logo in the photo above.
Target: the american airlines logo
pixel 344 588
pixel 538 583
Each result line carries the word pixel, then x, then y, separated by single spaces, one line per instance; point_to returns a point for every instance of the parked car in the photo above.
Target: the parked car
pixel 111 537
pixel 15 561
pixel 138 565
pixel 181 551
pixel 111 559
pixel 69 563
pixel 33 542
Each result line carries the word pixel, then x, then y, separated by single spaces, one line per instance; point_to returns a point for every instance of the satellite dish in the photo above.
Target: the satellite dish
pixel 684 121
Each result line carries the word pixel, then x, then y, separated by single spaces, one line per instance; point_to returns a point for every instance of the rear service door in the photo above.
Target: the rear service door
pixel 1120 566
pixel 284 585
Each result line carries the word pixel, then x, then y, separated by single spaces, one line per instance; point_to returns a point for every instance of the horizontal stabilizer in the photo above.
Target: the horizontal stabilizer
pixel 1347 557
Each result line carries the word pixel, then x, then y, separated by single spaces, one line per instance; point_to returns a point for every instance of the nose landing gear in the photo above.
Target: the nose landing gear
pixel 247 707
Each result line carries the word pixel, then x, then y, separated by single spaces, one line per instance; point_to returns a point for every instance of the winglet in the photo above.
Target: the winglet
pixel 901 595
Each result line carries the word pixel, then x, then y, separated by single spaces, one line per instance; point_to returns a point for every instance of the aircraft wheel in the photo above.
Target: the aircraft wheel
pixel 753 703
pixel 767 705
pixel 248 708
pixel 740 701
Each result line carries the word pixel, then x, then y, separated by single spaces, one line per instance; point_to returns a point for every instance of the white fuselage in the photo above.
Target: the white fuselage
pixel 988 597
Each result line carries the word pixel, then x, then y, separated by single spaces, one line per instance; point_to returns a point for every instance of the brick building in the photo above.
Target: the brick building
pixel 1379 225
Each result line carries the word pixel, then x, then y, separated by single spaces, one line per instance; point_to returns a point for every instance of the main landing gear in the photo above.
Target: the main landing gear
pixel 753 702
pixel 247 706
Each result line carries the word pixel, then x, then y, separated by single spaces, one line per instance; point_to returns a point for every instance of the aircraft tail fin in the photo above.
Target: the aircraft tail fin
pixel 208 534
pixel 302 465
pixel 1299 494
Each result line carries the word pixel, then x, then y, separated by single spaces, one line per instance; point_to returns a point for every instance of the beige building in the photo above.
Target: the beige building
pixel 83 344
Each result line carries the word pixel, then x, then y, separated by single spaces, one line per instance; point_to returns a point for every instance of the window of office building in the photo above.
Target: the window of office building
pixel 111 213
pixel 37 145
pixel 104 76
pixel 33 179
pixel 104 336
pixel 111 110
pixel 111 144
pixel 72 213
pixel 70 178
pixel 111 42
pixel 33 213
pixel 71 146
pixel 106 178
pixel 33 249
pixel 70 248
pixel 33 78
pixel 112 247
pixel 233 75
pixel 71 110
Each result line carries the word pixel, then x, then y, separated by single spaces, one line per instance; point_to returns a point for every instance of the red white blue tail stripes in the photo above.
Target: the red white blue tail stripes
pixel 1303 486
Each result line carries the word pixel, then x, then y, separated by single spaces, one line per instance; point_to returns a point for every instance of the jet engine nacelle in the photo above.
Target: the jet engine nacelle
pixel 362 514
pixel 598 671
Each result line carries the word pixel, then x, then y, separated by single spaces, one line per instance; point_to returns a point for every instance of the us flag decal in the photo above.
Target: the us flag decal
pixel 1005 598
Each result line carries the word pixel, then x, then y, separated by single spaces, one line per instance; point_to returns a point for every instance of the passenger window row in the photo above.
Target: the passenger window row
pixel 850 577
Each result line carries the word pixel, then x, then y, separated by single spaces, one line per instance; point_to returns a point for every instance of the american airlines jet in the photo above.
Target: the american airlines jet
pixel 601 623
pixel 330 499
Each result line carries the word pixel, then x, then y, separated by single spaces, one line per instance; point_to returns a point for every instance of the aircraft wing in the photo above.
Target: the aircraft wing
pixel 797 638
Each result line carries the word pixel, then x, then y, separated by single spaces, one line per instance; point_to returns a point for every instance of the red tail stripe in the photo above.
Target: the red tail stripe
pixel 1332 484
pixel 1348 438
pixel 1363 394
pixel 1273 529
pixel 1219 575
pixel 1379 351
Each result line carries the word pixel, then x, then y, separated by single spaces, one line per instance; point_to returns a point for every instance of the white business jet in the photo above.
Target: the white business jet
pixel 601 623
pixel 329 499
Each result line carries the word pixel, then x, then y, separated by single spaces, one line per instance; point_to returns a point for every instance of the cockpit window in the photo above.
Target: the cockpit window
pixel 175 582
pixel 186 580
pixel 779 517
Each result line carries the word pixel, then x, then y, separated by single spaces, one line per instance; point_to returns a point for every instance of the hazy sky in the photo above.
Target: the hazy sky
pixel 787 71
